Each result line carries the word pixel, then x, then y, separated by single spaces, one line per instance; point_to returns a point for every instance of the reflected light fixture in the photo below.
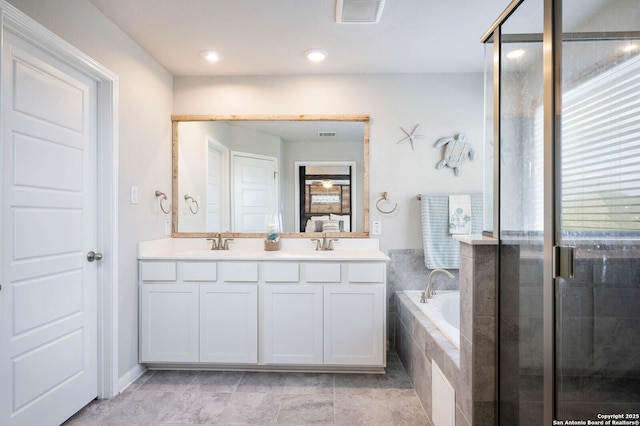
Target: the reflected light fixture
pixel 316 55
pixel 515 54
pixel 631 47
pixel 211 55
pixel 327 184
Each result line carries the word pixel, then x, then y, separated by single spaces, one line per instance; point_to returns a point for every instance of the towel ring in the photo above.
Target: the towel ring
pixel 384 198
pixel 163 197
pixel 188 197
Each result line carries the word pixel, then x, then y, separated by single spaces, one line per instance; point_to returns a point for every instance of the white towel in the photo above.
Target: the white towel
pixel 459 214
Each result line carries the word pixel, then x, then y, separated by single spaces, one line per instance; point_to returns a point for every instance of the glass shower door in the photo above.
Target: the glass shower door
pixel 521 217
pixel 598 309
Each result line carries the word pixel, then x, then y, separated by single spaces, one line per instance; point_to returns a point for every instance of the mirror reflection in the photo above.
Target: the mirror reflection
pixel 233 173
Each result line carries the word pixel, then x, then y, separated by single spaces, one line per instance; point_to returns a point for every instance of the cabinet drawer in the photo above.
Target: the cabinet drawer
pixel 366 272
pixel 158 271
pixel 199 271
pixel 239 271
pixel 281 272
pixel 323 272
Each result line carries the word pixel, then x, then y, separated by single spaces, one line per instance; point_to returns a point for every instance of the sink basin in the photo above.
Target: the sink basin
pixel 258 254
pixel 252 249
pixel 219 254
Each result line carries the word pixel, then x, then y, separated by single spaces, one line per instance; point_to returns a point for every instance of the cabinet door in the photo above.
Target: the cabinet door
pixel 168 323
pixel 292 324
pixel 354 324
pixel 229 323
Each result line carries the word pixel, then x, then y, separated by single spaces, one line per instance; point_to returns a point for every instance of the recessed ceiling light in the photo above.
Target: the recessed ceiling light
pixel 211 55
pixel 515 54
pixel 316 55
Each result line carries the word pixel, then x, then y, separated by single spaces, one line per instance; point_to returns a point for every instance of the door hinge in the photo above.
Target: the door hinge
pixel 563 262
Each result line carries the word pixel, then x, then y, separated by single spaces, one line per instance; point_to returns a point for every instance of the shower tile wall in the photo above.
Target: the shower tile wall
pixel 600 343
pixel 521 344
pixel 407 271
pixel 597 351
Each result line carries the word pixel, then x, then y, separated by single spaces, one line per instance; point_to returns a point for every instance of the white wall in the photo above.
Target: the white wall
pixel 145 97
pixel 443 105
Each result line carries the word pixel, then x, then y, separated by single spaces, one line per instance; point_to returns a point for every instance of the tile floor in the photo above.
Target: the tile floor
pixel 162 398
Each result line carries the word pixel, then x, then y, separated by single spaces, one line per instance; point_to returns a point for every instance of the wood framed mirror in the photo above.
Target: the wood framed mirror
pixel 231 172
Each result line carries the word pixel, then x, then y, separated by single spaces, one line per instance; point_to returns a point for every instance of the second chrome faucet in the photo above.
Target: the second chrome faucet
pixel 325 243
pixel 219 242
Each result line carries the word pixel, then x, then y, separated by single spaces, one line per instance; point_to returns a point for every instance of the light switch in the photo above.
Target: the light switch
pixel 376 229
pixel 167 227
pixel 134 194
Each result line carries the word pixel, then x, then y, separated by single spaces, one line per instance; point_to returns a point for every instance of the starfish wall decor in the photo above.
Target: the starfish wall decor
pixel 411 136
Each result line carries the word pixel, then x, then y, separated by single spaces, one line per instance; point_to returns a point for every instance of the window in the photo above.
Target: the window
pixel 600 164
pixel 601 151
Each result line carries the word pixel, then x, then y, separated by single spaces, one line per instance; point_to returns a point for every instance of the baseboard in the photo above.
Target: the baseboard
pixel 131 376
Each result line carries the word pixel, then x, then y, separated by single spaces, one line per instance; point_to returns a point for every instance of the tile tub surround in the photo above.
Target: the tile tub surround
pixel 241 398
pixel 406 271
pixel 471 370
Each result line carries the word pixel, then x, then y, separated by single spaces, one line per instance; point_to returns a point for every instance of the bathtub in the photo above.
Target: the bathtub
pixel 443 310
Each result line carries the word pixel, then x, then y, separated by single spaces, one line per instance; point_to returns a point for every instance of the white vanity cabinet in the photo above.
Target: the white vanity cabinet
pixel 353 320
pixel 168 315
pixel 292 324
pixel 229 323
pixel 169 323
pixel 272 313
pixel 354 314
pixel 189 314
pixel 229 314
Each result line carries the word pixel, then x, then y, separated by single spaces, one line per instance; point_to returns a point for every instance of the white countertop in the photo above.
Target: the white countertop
pixel 358 249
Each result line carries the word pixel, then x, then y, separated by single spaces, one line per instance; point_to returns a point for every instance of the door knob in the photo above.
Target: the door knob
pixel 92 255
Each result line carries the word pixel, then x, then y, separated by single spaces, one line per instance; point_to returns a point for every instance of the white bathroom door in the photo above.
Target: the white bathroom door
pixel 217 183
pixel 254 189
pixel 48 300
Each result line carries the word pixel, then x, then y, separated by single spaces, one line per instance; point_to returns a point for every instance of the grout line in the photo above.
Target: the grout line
pixel 334 398
pixel 238 383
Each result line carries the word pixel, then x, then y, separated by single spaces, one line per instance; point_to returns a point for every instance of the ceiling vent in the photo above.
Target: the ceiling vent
pixel 359 11
pixel 321 134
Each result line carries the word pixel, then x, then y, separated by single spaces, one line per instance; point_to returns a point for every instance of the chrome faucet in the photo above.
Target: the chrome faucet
pixel 325 243
pixel 218 243
pixel 429 292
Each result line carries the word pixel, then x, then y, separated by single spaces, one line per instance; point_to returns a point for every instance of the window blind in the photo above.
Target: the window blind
pixel 600 159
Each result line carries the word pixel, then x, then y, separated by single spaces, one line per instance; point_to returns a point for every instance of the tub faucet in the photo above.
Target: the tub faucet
pixel 429 292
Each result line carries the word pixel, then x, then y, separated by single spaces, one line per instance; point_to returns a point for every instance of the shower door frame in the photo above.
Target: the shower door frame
pixel 552 52
pixel 552 41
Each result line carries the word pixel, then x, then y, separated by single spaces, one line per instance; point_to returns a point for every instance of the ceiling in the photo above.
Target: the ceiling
pixel 269 37
pixel 307 131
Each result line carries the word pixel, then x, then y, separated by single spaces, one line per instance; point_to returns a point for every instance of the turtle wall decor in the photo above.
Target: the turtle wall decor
pixel 457 150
